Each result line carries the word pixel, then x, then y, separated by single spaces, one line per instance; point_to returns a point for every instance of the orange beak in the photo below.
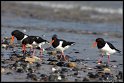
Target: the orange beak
pixel 51 42
pixel 94 44
pixel 12 39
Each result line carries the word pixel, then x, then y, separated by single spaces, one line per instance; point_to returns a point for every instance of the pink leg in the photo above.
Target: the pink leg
pixel 100 58
pixel 31 49
pixel 41 52
pixel 33 52
pixel 63 56
pixel 108 59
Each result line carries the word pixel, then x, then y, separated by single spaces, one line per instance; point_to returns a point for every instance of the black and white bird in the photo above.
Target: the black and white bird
pixel 35 41
pixel 28 40
pixel 20 36
pixel 60 45
pixel 105 47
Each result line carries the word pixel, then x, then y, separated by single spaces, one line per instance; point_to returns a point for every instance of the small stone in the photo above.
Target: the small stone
pixel 20 70
pixel 2 70
pixel 107 70
pixel 113 61
pixel 59 78
pixel 8 73
pixel 76 52
pixel 120 75
pixel 86 79
pixel 60 64
pixel 32 76
pixel 92 75
pixel 52 63
pixel 72 65
pixel 89 68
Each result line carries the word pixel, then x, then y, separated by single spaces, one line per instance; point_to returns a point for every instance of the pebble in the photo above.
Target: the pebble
pixel 44 77
pixel 76 52
pixel 60 64
pixel 2 70
pixel 32 76
pixel 8 73
pixel 120 75
pixel 20 70
pixel 113 61
pixel 72 64
pixel 52 63
pixel 86 79
pixel 90 68
pixel 106 70
pixel 92 75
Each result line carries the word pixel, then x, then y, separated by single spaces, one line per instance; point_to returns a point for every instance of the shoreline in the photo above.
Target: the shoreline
pixel 74 15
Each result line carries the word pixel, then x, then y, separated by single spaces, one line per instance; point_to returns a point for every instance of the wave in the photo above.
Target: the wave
pixel 76 6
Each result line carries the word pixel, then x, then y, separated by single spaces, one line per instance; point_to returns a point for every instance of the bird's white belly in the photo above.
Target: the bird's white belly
pixel 28 45
pixel 60 48
pixel 34 43
pixel 108 50
pixel 24 37
pixel 40 44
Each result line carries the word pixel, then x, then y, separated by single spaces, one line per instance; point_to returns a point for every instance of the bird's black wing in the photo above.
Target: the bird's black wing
pixel 65 43
pixel 112 47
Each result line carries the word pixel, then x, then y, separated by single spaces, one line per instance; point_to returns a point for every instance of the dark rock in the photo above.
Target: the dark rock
pixel 20 70
pixel 52 78
pixel 113 61
pixel 75 69
pixel 120 75
pixel 77 80
pixel 107 77
pixel 32 76
pixel 76 52
pixel 60 64
pixel 92 75
pixel 62 76
pixel 3 61
pixel 64 69
pixel 76 73
pixel 52 63
pixel 8 73
pixel 44 77
pixel 79 60
pixel 37 65
pixel 86 79
pixel 30 70
pixel 52 59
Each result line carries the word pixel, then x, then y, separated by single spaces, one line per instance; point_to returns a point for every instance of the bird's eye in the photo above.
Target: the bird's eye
pixel 54 38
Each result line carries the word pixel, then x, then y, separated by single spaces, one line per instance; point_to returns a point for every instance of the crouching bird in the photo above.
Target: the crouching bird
pixel 27 40
pixel 60 45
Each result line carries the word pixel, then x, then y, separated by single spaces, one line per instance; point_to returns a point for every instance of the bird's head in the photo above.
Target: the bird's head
pixel 54 37
pixel 98 40
pixel 14 34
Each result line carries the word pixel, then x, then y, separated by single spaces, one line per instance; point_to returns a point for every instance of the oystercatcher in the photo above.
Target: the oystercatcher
pixel 20 36
pixel 35 41
pixel 60 45
pixel 105 47
pixel 26 39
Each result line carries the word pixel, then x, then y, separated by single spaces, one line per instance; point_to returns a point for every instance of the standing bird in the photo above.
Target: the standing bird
pixel 20 36
pixel 35 41
pixel 105 47
pixel 60 45
pixel 25 39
